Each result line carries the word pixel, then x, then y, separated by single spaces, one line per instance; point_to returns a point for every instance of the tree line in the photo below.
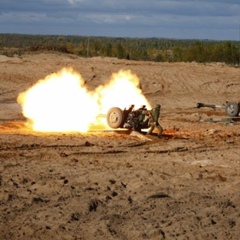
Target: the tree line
pixel 144 49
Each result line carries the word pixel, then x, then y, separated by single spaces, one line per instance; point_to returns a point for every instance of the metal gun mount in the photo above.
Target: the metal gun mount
pixel 232 109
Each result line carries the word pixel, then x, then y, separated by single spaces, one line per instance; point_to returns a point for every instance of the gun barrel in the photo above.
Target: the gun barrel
pixel 200 105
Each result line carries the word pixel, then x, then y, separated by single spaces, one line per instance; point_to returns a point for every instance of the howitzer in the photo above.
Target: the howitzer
pixel 128 118
pixel 232 109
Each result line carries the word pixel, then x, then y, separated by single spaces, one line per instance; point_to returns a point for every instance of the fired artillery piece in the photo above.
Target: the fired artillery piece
pixel 128 118
pixel 232 109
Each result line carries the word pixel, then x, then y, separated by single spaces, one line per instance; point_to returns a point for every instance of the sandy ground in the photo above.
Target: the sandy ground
pixel 118 185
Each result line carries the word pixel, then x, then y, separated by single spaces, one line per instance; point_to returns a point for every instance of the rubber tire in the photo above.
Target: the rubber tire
pixel 115 117
pixel 232 109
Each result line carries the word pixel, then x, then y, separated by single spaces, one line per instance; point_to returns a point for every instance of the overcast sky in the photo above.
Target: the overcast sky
pixel 180 19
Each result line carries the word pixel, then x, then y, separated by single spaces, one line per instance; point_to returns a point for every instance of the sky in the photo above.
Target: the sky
pixel 178 19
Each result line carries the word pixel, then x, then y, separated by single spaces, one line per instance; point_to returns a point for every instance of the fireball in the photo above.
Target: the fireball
pixel 62 103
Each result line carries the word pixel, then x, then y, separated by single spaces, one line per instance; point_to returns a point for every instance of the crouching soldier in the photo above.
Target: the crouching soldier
pixel 142 115
pixel 153 120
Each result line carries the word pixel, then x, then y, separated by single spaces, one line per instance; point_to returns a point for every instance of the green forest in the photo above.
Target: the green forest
pixel 144 49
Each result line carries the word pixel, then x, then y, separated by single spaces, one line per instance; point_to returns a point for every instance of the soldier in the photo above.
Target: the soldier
pixel 143 107
pixel 138 118
pixel 141 112
pixel 153 121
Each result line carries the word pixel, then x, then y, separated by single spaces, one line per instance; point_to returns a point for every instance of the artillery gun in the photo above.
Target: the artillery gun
pixel 232 109
pixel 132 119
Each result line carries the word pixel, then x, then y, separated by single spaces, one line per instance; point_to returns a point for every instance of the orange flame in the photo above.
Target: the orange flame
pixel 62 103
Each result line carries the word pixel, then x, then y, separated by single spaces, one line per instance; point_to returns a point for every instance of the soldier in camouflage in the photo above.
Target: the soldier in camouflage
pixel 153 120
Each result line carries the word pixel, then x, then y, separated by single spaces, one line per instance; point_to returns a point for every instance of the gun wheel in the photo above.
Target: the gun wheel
pixel 232 109
pixel 115 117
